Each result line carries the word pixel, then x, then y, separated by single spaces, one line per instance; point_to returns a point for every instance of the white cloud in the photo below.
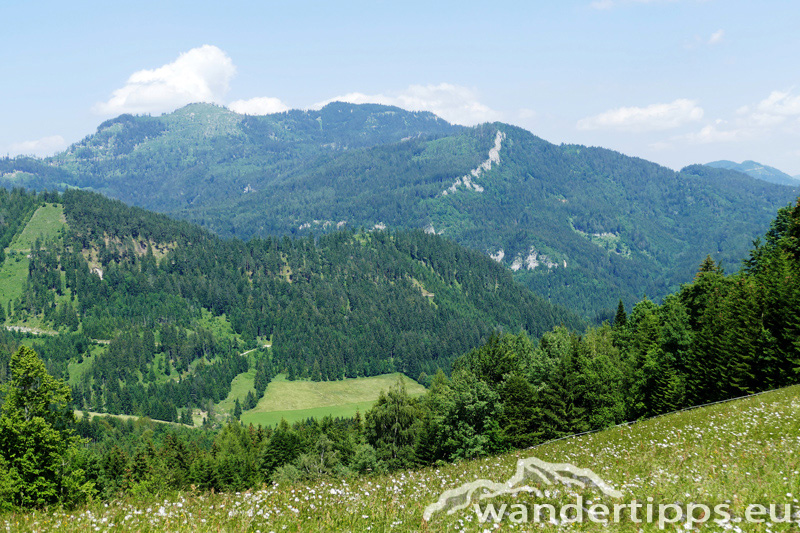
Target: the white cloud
pixel 40 147
pixel 454 103
pixel 200 75
pixel 763 120
pixel 771 111
pixel 262 105
pixel 716 37
pixel 766 119
pixel 780 103
pixel 714 133
pixel 651 118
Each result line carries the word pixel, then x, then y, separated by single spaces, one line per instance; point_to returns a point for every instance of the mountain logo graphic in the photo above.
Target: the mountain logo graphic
pixel 529 469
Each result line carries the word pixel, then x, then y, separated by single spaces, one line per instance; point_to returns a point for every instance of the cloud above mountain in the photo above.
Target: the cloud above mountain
pixel 780 103
pixel 202 74
pixel 454 103
pixel 261 105
pixel 771 116
pixel 650 118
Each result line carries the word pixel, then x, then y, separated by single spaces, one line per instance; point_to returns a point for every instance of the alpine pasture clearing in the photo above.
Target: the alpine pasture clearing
pixel 742 452
pixel 45 223
pixel 240 386
pixel 298 400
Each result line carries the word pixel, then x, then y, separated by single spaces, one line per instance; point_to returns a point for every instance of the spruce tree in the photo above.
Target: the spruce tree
pixel 521 414
pixel 743 346
pixel 36 437
pixel 621 318
pixel 552 405
pixel 642 353
pixel 283 447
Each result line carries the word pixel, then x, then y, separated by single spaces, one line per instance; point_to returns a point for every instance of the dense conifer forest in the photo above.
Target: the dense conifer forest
pixel 174 306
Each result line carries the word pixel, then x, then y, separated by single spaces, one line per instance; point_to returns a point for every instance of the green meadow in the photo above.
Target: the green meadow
pixel 46 223
pixel 298 400
pixel 240 386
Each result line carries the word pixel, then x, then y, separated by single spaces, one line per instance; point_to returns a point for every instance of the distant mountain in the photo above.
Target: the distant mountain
pixel 581 226
pixel 758 171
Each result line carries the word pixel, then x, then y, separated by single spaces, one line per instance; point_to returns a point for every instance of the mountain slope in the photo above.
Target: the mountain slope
pixel 758 171
pixel 203 154
pixel 176 305
pixel 581 226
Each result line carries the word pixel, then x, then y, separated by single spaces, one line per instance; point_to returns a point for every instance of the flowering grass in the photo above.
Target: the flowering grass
pixel 738 453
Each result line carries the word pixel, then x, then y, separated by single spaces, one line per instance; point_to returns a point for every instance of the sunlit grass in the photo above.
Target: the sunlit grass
pixel 742 452
pixel 45 224
pixel 298 400
pixel 273 418
pixel 13 273
pixel 240 386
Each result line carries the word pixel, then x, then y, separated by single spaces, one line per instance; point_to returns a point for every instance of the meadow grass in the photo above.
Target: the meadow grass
pixel 240 386
pixel 298 400
pixel 273 418
pixel 13 273
pixel 746 451
pixel 77 370
pixel 46 223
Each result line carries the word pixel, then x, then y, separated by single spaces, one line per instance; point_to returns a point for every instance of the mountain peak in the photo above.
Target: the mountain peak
pixel 205 108
pixel 758 171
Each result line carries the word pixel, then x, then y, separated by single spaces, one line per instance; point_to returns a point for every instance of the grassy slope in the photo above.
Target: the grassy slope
pixel 240 386
pixel 77 370
pixel 298 400
pixel 46 223
pixel 746 451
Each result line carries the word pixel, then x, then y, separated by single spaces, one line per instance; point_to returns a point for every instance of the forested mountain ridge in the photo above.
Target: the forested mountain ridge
pixel 581 226
pixel 202 154
pixel 177 304
pixel 758 171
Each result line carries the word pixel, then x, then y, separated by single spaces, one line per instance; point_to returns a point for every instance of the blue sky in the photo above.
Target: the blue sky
pixel 676 82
